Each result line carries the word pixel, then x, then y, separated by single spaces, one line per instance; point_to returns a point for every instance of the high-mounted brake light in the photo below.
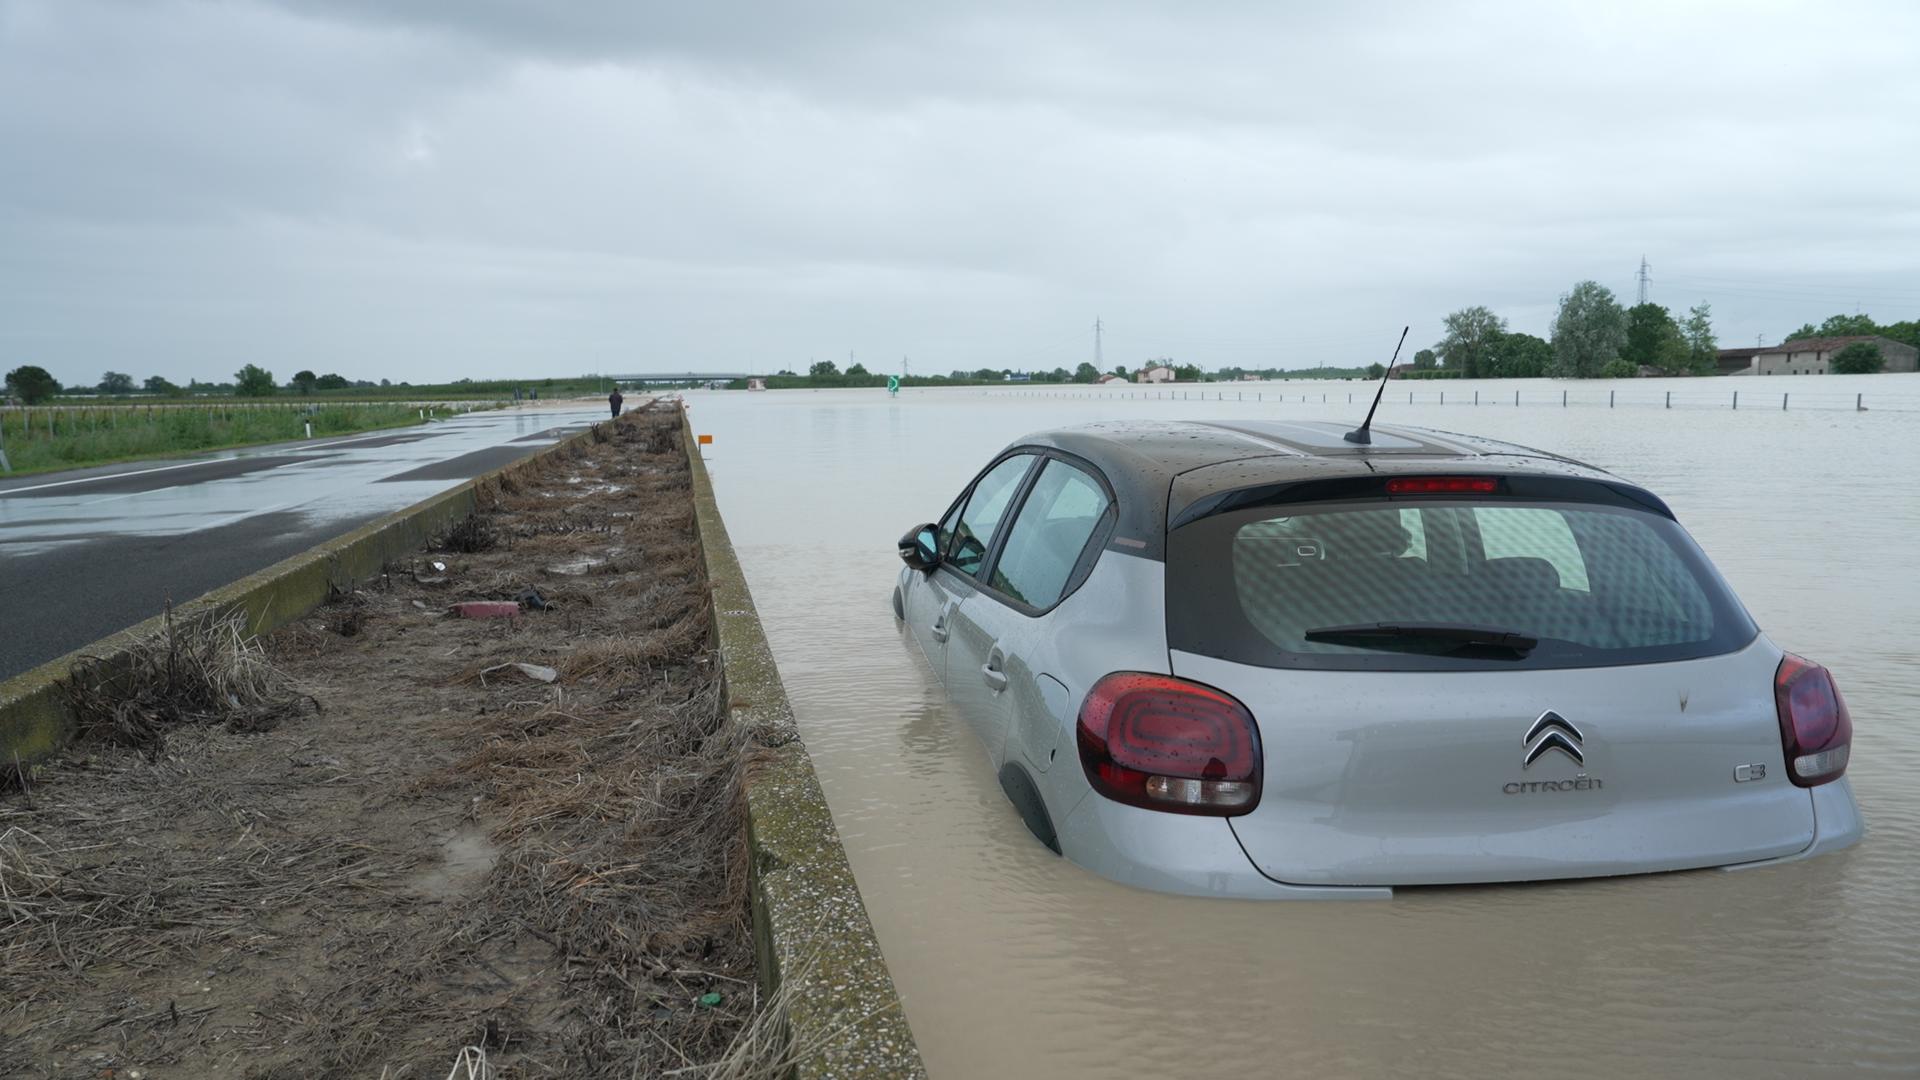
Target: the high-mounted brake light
pixel 1167 744
pixel 1442 485
pixel 1816 731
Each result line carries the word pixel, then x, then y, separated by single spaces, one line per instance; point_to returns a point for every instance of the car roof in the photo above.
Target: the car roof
pixel 1161 467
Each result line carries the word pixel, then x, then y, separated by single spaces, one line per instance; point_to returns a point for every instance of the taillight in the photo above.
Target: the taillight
pixel 1167 744
pixel 1815 729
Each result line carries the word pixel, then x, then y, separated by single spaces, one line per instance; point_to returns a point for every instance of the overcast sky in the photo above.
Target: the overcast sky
pixel 430 189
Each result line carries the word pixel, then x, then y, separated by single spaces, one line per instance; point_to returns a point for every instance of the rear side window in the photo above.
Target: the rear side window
pixel 1595 585
pixel 1044 546
pixel 986 508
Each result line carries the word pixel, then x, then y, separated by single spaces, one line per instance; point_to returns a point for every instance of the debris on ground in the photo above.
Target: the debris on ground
pixel 332 854
pixel 487 609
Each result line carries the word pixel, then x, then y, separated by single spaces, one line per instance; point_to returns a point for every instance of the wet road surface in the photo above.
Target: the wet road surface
pixel 87 553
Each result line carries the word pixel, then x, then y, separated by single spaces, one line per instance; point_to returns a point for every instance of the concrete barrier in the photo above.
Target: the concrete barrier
pixel 810 926
pixel 34 718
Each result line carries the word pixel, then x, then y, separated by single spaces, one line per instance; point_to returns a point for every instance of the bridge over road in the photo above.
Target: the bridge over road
pixel 680 377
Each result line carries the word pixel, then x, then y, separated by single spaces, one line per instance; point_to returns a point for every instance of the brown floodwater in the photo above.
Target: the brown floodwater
pixel 1014 962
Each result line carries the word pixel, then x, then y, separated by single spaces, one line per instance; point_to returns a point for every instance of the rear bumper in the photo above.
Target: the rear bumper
pixel 1179 853
pixel 1836 824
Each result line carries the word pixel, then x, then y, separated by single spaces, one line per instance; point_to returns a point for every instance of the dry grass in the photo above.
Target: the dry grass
pixel 198 668
pixel 220 878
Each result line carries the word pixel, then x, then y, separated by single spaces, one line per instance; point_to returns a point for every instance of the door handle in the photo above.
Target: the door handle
pixel 990 671
pixel 939 630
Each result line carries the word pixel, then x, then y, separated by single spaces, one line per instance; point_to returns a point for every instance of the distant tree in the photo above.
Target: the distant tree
pixel 1188 373
pixel 114 382
pixel 987 374
pixel 386 382
pixel 156 384
pixel 1859 358
pixel 302 382
pixel 1906 332
pixel 1471 333
pixel 254 381
pixel 330 381
pixel 1619 369
pixel 1848 326
pixel 1518 356
pixel 857 375
pixel 1086 373
pixel 1059 374
pixel 824 373
pixel 1425 359
pixel 1703 352
pixel 1377 369
pixel 1806 330
pixel 32 384
pixel 1588 332
pixel 1121 370
pixel 1647 328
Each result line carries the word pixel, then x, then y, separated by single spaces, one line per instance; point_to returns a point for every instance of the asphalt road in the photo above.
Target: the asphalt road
pixel 87 553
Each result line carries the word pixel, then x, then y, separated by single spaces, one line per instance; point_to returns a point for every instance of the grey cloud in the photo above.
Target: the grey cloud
pixel 443 188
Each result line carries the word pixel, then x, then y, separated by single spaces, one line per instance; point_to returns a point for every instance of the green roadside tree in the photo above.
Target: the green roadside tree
pixel 1619 369
pixel 1188 373
pixel 1859 358
pixel 254 381
pixel 1377 369
pixel 1086 373
pixel 1121 370
pixel 32 384
pixel 1424 359
pixel 857 375
pixel 824 373
pixel 1703 351
pixel 158 384
pixel 1471 333
pixel 330 381
pixel 1588 332
pixel 116 383
pixel 303 382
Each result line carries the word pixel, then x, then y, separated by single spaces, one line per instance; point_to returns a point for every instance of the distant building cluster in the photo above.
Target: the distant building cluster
pixel 1813 356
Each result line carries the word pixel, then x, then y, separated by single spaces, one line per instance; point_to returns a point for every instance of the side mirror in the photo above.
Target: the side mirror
pixel 920 548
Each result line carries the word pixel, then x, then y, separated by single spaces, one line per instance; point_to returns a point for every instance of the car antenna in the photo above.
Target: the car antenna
pixel 1364 433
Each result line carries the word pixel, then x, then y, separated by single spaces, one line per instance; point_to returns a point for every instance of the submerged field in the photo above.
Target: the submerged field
pixel 46 439
pixel 386 839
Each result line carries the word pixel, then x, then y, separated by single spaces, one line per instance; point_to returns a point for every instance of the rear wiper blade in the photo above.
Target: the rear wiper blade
pixel 1480 636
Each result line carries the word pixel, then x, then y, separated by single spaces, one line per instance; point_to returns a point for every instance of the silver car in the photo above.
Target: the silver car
pixel 1258 660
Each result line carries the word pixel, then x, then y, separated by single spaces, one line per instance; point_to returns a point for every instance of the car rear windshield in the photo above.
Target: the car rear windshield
pixel 1397 587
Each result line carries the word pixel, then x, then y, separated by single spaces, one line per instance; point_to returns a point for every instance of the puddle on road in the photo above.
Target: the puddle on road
pixel 1012 962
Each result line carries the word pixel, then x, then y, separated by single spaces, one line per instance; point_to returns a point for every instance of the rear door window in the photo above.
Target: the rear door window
pixel 1595 585
pixel 981 518
pixel 1059 517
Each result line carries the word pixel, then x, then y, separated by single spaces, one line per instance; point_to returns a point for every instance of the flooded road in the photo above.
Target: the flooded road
pixel 1014 962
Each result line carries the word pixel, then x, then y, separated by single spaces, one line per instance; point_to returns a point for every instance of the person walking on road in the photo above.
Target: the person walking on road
pixel 614 399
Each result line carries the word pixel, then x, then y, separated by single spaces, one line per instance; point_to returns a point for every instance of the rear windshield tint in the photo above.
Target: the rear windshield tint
pixel 1595 585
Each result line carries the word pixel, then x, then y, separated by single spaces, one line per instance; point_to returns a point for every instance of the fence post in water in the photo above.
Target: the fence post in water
pixel 1736 401
pixel 1476 397
pixel 1563 399
pixel 1409 397
pixel 1609 399
pixel 1783 403
pixel 1669 399
pixel 1857 406
pixel 1443 397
